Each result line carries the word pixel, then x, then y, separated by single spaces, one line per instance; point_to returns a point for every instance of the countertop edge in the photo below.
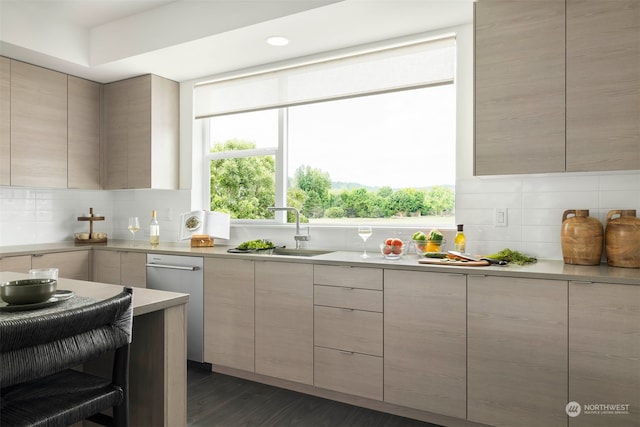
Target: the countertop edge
pixel 543 269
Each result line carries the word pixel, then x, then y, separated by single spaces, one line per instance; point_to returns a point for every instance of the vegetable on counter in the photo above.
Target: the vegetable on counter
pixel 512 257
pixel 435 235
pixel 419 235
pixel 256 244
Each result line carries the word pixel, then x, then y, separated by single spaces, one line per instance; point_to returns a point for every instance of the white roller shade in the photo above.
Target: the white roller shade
pixel 414 65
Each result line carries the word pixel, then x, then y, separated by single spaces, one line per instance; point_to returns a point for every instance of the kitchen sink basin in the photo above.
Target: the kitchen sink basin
pixel 298 252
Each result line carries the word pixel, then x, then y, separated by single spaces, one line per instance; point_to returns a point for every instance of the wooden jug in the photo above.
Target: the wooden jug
pixel 581 237
pixel 623 239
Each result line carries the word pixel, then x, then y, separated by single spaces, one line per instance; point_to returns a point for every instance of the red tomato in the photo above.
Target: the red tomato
pixel 397 249
pixel 388 242
pixel 397 242
pixel 386 250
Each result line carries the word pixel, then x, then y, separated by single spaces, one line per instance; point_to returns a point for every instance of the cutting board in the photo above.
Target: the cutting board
pixel 446 261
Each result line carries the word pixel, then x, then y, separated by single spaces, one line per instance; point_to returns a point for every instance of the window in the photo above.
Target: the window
pixel 384 154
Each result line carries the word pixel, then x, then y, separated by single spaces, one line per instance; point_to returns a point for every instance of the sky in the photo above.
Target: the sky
pixel 402 139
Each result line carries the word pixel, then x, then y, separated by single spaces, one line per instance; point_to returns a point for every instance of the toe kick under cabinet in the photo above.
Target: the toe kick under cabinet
pixel 348 326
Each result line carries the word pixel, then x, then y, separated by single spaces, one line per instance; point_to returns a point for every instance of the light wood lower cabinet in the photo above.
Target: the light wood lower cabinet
pixel 517 351
pixel 120 268
pixel 71 265
pixel 284 320
pixel 604 353
pixel 348 330
pixel 17 264
pixel 425 341
pixel 229 321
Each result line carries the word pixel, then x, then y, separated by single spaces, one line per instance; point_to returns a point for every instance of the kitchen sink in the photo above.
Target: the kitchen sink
pixel 299 252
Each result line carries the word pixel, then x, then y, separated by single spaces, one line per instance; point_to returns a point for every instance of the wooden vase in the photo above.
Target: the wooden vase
pixel 581 237
pixel 623 239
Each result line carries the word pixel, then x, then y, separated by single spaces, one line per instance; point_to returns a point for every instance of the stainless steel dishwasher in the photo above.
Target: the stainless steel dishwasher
pixel 182 274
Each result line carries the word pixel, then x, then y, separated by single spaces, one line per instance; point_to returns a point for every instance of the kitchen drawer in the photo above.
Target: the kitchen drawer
pixel 352 277
pixel 347 372
pixel 342 297
pixel 347 329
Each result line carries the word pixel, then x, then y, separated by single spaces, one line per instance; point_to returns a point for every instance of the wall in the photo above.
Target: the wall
pixel 534 202
pixel 32 216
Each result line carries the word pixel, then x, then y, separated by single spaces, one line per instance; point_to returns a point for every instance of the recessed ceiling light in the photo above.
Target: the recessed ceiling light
pixel 277 41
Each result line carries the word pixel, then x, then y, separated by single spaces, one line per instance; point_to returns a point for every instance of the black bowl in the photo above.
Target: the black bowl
pixel 28 291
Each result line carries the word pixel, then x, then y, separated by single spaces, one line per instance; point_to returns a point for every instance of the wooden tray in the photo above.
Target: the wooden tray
pixel 446 261
pixel 104 240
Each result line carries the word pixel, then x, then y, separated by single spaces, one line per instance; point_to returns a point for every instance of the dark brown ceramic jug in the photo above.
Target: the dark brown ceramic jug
pixel 623 239
pixel 581 237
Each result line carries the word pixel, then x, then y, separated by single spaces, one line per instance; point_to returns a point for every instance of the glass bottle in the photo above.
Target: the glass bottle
pixel 460 241
pixel 154 230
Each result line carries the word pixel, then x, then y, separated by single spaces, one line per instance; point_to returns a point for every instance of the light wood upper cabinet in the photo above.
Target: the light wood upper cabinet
pixel 229 320
pixel 425 341
pixel 284 320
pixel 38 126
pixel 517 351
pixel 519 86
pixel 84 98
pixel 603 85
pixel 141 149
pixel 531 57
pixel 5 121
pixel 604 351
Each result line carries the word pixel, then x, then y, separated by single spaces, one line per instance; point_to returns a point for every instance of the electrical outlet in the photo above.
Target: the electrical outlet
pixel 500 217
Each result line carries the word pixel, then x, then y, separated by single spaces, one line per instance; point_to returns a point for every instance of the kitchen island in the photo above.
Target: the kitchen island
pixel 157 370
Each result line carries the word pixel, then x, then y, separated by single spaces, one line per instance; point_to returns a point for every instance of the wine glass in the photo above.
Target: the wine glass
pixel 364 231
pixel 134 225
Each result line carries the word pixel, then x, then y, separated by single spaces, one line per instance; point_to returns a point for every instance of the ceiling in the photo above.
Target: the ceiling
pixel 108 40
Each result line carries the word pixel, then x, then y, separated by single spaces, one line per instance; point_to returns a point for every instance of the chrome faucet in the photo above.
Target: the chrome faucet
pixel 298 237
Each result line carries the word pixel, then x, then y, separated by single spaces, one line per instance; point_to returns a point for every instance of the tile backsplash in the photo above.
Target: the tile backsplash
pixel 534 204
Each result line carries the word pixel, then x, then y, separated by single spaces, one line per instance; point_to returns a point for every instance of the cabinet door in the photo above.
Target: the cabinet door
pixel 38 126
pixel 139 132
pixel 517 351
pixel 71 265
pixel 133 269
pixel 519 86
pixel 17 264
pixel 116 134
pixel 425 340
pixel 604 352
pixel 84 134
pixel 5 121
pixel 106 266
pixel 284 320
pixel 229 313
pixel 603 85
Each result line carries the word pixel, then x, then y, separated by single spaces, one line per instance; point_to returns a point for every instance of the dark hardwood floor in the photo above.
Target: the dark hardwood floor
pixel 220 400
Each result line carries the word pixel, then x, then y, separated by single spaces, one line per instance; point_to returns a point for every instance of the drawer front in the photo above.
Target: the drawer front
pixel 353 373
pixel 358 299
pixel 349 330
pixel 351 277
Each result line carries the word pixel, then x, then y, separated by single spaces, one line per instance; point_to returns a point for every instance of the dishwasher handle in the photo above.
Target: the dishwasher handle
pixel 175 267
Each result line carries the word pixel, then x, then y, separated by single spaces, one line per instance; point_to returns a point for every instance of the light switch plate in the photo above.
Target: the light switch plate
pixel 500 217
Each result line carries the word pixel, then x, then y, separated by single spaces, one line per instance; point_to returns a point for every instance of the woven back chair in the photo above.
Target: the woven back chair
pixel 38 386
